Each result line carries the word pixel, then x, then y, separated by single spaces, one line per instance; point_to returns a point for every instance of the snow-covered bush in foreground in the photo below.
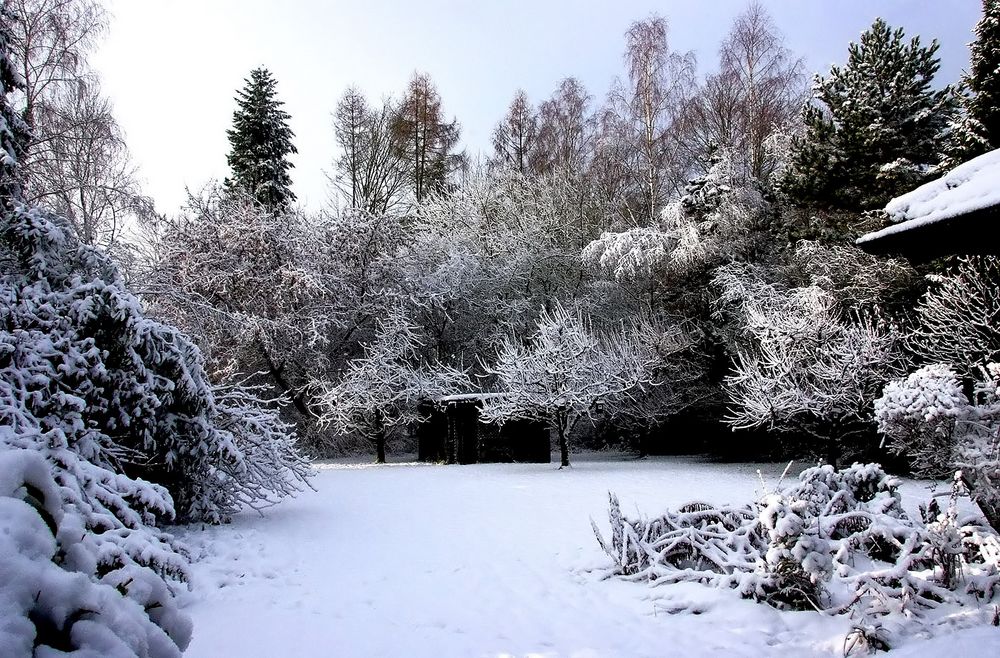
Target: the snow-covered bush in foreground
pixel 837 542
pixel 119 410
pixel 928 418
pixel 919 414
pixel 122 391
pixel 59 591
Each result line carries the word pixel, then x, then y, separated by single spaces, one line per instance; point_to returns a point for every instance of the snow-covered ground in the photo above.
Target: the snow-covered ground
pixel 488 560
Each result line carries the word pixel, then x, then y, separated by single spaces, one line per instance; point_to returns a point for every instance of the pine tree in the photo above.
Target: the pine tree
pixel 261 143
pixel 978 129
pixel 13 131
pixel 877 128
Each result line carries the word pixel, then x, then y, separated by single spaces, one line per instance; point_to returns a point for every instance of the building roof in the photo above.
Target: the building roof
pixel 958 213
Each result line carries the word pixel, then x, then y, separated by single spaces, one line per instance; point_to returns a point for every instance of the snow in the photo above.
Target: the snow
pixel 971 186
pixel 487 560
pixel 465 397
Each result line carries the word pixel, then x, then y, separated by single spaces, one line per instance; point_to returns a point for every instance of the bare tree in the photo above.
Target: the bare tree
pixel 959 316
pixel 254 285
pixel 712 118
pixel 767 82
pixel 349 126
pixel 82 170
pixel 650 106
pixel 50 41
pixel 77 162
pixel 379 392
pixel 565 130
pixel 802 367
pixel 425 141
pixel 514 137
pixel 370 174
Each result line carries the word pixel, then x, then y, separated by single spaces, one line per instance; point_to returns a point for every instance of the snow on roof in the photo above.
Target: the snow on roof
pixel 969 187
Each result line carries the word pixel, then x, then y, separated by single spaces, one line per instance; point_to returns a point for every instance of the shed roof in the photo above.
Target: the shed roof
pixel 955 214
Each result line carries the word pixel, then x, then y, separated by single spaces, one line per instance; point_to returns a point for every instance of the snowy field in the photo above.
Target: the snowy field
pixel 488 560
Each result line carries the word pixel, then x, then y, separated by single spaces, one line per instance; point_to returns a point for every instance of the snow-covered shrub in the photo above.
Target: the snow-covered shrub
pixel 919 414
pixel 127 393
pixel 797 558
pixel 958 316
pixel 717 541
pixel 977 449
pixel 836 541
pixel 804 365
pixel 927 417
pixel 59 591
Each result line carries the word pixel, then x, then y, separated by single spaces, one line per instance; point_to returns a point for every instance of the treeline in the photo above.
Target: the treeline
pixel 699 228
pixel 703 226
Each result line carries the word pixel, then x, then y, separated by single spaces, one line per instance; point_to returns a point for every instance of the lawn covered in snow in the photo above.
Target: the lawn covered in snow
pixel 489 560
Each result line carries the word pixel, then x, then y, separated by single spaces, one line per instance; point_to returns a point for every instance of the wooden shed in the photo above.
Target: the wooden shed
pixel 957 214
pixel 452 431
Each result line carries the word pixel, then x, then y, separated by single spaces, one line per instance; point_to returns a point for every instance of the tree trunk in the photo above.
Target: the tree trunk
pixel 379 435
pixel 833 454
pixel 981 494
pixel 380 447
pixel 563 440
pixel 277 374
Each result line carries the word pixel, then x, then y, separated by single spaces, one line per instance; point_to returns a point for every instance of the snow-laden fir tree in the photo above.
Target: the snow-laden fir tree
pixel 79 567
pixel 261 142
pixel 13 131
pixel 876 128
pixel 978 129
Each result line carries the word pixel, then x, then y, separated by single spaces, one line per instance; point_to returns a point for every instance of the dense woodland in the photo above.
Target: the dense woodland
pixel 665 266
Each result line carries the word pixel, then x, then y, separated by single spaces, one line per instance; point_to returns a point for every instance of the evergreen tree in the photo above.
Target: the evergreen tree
pixel 261 143
pixel 13 130
pixel 978 129
pixel 876 129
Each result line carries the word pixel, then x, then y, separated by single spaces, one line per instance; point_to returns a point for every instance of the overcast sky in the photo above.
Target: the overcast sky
pixel 172 66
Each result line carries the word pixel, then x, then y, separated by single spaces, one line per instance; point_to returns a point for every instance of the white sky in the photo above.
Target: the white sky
pixel 172 67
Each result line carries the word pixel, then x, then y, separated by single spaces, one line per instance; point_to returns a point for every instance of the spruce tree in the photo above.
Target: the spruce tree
pixel 978 129
pixel 261 143
pixel 13 131
pixel 876 129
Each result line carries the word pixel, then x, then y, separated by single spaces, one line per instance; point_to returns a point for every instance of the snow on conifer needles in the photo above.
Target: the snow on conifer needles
pixel 109 429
